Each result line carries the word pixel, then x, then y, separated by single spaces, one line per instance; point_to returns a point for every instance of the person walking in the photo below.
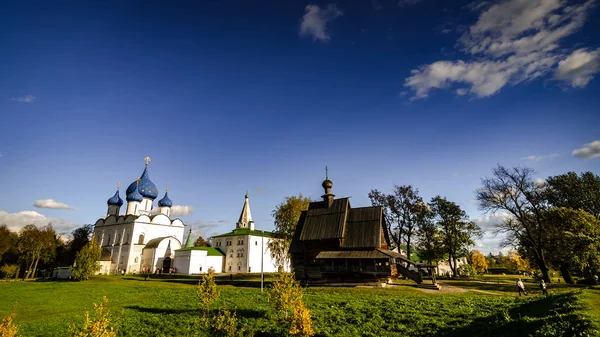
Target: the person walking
pixel 543 287
pixel 521 287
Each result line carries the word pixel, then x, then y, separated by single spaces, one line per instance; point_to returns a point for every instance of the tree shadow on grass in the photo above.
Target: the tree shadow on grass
pixel 193 311
pixel 548 316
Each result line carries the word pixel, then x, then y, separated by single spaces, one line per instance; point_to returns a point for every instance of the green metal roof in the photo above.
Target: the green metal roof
pixel 245 231
pixel 211 251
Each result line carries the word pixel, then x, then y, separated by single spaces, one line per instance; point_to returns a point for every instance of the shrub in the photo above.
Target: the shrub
pixel 101 325
pixel 8 328
pixel 286 296
pixel 207 290
pixel 9 270
pixel 225 324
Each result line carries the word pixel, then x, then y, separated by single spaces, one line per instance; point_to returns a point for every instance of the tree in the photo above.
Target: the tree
pixel 87 261
pixel 516 261
pixel 207 290
pixel 286 297
pixel 479 262
pixel 286 217
pixel 101 324
pixel 516 192
pixel 394 230
pixel 405 208
pixel 429 239
pixel 456 230
pixel 36 245
pixel 576 192
pixel 8 239
pixel 574 236
pixel 200 242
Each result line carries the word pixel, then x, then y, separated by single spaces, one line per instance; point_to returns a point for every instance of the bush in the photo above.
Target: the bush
pixel 86 261
pixel 9 270
pixel 8 328
pixel 207 290
pixel 101 325
pixel 286 296
pixel 225 324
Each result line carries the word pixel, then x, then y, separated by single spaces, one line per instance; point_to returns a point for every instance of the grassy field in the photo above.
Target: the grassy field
pixel 169 307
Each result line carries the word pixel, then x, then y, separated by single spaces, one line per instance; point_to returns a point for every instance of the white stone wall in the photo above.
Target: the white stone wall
pixel 121 236
pixel 243 255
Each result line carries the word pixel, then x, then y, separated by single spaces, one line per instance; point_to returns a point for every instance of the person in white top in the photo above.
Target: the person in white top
pixel 521 287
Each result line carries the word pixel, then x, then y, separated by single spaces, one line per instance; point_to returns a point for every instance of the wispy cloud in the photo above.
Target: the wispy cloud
pixel 315 20
pixel 50 203
pixel 181 210
pixel 512 42
pixel 223 221
pixel 540 157
pixel 24 99
pixel 579 68
pixel 588 151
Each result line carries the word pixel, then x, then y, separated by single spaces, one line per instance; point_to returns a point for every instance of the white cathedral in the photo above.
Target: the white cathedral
pixel 144 239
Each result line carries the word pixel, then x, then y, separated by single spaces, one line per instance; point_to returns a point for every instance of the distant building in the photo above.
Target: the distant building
pixel 245 248
pixel 138 239
pixel 334 241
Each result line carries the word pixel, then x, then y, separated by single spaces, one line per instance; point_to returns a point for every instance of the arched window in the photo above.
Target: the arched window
pixel 117 241
pixel 141 239
pixel 108 240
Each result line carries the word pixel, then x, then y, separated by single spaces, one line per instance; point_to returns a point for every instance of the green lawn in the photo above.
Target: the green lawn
pixel 168 307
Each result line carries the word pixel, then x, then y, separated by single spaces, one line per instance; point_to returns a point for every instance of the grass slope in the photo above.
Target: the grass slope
pixel 168 307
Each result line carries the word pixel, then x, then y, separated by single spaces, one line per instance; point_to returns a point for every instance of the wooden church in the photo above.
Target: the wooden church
pixel 335 242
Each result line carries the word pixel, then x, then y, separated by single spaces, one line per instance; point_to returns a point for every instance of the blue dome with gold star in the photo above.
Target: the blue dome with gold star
pixel 145 186
pixel 134 195
pixel 165 201
pixel 115 200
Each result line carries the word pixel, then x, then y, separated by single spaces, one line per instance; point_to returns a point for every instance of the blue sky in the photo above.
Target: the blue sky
pixel 226 96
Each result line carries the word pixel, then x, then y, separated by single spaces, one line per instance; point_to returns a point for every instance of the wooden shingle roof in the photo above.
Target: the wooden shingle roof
pixel 325 222
pixel 363 228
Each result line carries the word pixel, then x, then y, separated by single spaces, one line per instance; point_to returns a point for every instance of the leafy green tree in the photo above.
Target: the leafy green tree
pixel 36 245
pixel 87 261
pixel 286 217
pixel 457 231
pixel 8 240
pixel 200 242
pixel 574 236
pixel 516 192
pixel 394 229
pixel 576 192
pixel 405 209
pixel 429 239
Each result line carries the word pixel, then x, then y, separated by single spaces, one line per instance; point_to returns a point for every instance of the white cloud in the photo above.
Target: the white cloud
pixel 315 20
pixel 588 151
pixel 491 222
pixel 461 91
pixel 50 203
pixel 579 68
pixel 180 210
pixel 24 99
pixel 539 157
pixel 511 42
pixel 223 221
pixel 16 221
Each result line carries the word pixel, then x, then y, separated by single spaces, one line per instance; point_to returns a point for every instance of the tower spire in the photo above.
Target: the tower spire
pixel 189 243
pixel 245 220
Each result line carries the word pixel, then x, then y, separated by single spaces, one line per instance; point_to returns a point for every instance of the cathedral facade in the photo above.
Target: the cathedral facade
pixel 141 238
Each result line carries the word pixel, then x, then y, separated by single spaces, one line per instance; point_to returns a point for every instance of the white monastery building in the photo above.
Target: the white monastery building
pixel 246 248
pixel 142 238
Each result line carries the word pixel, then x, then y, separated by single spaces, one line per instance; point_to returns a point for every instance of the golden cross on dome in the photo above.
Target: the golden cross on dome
pixel 167 188
pixel 326 173
pixel 118 185
pixel 147 159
